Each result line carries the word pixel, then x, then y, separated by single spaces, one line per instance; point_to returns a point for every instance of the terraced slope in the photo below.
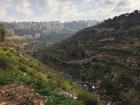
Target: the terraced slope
pixel 106 55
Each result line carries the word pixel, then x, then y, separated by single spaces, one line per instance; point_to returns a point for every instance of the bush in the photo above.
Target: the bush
pixel 60 100
pixel 4 81
pixel 40 85
pixel 3 64
pixel 111 89
pixel 3 61
pixel 45 91
pixel 2 33
pixel 88 99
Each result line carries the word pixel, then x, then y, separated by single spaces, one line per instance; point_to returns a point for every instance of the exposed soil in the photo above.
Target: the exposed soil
pixel 18 94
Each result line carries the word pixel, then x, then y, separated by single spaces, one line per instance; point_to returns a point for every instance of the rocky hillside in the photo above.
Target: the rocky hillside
pixel 106 55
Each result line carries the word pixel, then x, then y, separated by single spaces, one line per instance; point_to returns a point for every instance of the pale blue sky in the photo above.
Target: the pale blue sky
pixel 64 10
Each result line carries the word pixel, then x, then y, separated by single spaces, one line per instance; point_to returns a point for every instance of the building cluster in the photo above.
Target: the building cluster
pixel 37 27
pixel 52 26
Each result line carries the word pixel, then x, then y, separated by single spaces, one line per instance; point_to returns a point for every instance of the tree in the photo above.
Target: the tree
pixel 2 33
pixel 136 12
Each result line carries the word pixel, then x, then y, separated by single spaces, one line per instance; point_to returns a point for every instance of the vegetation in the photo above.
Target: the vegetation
pixel 106 55
pixel 22 69
pixel 60 100
pixel 2 33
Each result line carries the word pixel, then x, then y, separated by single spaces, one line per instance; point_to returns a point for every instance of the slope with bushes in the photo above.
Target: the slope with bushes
pixel 19 73
pixel 106 55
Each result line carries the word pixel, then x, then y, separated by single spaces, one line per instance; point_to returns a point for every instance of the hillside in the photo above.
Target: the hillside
pixel 106 55
pixel 24 80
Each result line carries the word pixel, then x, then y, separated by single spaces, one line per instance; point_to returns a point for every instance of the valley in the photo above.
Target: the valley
pixel 106 55
pixel 71 63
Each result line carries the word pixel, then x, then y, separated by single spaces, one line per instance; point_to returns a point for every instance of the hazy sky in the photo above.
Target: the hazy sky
pixel 64 10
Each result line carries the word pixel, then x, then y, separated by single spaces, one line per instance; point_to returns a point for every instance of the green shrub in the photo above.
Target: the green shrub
pixel 88 99
pixel 2 33
pixel 4 81
pixel 3 61
pixel 111 88
pixel 45 91
pixel 40 85
pixel 3 64
pixel 60 100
